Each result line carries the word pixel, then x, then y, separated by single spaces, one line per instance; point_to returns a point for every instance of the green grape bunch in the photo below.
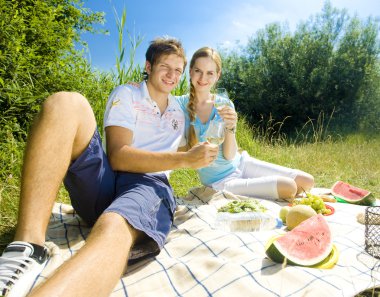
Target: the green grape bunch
pixel 315 202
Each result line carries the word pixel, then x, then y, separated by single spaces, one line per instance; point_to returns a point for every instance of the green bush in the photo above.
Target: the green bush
pixel 329 65
pixel 38 56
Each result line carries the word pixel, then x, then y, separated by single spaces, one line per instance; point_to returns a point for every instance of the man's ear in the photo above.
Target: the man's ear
pixel 148 67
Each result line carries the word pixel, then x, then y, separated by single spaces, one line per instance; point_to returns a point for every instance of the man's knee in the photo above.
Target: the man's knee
pixel 61 102
pixel 71 108
pixel 109 223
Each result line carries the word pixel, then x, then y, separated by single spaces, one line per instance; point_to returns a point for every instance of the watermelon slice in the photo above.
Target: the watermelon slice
pixel 308 244
pixel 350 194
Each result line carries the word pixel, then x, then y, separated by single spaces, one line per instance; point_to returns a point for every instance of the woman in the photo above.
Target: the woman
pixel 231 171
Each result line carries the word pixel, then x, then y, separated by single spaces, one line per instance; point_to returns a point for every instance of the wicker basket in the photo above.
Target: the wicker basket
pixel 372 231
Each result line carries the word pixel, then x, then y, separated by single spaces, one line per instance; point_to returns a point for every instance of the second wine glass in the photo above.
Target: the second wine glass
pixel 215 132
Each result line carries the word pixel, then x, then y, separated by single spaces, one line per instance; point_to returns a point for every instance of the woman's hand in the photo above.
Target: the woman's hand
pixel 229 116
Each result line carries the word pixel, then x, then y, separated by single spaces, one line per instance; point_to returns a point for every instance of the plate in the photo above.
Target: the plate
pixel 331 208
pixel 245 221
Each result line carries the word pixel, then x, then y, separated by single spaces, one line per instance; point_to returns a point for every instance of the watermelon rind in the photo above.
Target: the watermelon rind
pixel 359 196
pixel 330 260
pixel 370 200
pixel 297 244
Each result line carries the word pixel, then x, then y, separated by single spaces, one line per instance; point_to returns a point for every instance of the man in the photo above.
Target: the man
pixel 144 127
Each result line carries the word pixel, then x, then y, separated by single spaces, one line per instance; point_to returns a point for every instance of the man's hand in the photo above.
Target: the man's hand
pixel 201 155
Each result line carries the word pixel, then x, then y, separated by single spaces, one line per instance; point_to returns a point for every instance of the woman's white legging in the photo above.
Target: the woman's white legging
pixel 255 178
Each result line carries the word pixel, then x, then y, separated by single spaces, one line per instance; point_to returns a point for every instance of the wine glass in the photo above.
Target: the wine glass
pixel 221 98
pixel 215 132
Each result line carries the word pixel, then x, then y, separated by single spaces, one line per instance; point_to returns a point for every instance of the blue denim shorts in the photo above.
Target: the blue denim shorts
pixel 146 201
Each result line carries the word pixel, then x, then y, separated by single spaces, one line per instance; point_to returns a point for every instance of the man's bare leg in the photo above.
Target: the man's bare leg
pixel 59 135
pixel 98 265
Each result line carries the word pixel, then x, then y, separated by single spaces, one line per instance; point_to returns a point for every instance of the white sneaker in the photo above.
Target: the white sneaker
pixel 20 265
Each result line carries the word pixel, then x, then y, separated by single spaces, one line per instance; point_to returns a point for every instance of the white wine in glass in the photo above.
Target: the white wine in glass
pixel 215 132
pixel 215 140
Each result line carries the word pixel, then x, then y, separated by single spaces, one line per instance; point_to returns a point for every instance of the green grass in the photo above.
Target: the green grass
pixel 353 159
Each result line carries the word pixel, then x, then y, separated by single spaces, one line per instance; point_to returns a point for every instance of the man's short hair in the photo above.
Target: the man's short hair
pixel 164 46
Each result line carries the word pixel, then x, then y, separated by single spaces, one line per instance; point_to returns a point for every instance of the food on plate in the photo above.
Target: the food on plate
pixel 297 214
pixel 245 215
pixel 249 205
pixel 350 194
pixel 309 244
pixel 315 201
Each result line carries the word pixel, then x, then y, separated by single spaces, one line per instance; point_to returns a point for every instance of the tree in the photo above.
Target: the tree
pixel 325 67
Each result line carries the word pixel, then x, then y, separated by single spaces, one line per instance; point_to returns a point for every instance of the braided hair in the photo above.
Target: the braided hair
pixel 204 52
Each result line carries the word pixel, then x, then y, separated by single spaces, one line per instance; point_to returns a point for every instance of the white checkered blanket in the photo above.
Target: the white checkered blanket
pixel 199 260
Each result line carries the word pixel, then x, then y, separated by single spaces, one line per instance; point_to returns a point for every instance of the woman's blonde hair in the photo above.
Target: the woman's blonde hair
pixel 204 52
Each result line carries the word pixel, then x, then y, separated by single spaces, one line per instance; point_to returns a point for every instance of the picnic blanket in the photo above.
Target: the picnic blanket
pixel 199 260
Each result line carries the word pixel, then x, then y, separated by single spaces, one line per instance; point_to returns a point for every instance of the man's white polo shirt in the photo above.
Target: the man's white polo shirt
pixel 132 108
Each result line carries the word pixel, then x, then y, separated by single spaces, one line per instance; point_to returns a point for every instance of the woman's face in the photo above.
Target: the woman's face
pixel 204 74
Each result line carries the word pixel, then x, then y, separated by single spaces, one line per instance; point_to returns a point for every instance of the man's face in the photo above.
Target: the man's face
pixel 166 73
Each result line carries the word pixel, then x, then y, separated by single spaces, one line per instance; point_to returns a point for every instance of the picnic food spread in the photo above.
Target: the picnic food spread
pixel 308 241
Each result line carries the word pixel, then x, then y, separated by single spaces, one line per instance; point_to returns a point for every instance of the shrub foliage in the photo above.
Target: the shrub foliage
pixel 38 56
pixel 328 65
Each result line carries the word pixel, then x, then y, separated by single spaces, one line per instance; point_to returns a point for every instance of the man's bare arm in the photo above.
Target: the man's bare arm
pixel 123 157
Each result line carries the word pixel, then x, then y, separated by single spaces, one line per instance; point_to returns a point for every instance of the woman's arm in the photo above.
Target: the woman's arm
pixel 230 147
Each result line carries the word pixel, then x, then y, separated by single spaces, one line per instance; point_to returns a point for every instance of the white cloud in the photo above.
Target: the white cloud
pixel 247 17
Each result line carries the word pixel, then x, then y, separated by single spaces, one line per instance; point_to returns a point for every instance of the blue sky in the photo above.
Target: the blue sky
pixel 198 23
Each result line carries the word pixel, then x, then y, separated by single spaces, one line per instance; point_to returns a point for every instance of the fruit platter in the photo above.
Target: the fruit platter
pixel 316 202
pixel 303 208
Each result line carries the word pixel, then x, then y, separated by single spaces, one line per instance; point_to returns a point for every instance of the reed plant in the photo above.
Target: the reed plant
pixel 126 70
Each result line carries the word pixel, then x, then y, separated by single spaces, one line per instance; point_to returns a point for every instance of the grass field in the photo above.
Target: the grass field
pixel 353 159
